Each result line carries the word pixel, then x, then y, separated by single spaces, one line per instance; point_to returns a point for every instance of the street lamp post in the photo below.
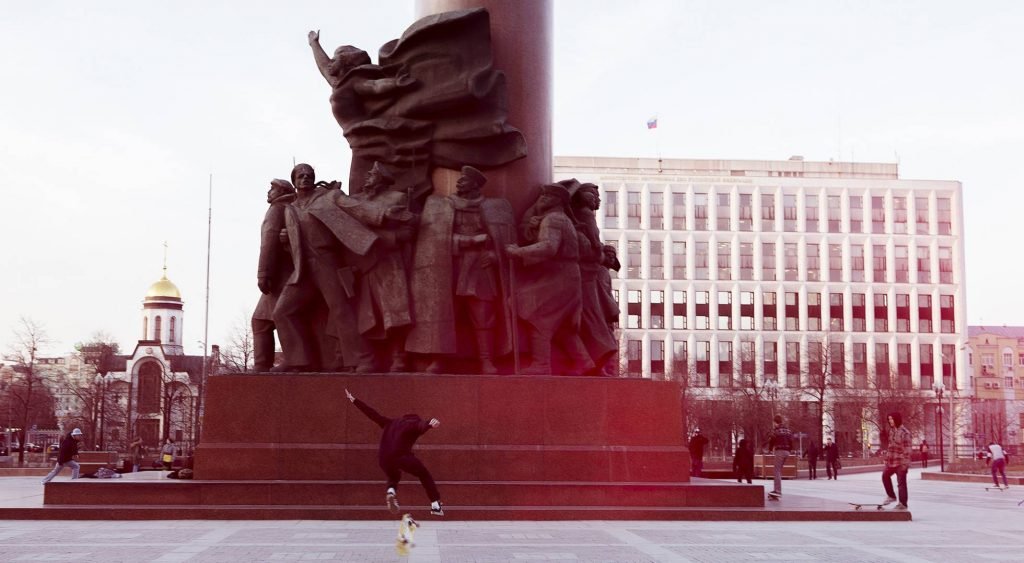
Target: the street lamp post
pixel 939 388
pixel 772 388
pixel 952 386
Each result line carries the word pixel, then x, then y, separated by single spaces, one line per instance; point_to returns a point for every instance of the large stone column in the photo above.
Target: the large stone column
pixel 521 42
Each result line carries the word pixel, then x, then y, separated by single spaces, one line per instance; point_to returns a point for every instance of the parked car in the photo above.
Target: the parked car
pixel 51 452
pixel 35 448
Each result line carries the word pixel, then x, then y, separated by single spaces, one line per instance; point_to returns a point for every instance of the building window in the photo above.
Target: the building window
pixel 945 213
pixel 811 213
pixel 903 366
pixel 746 310
pixel 723 212
pixel 769 313
pixel 171 339
pixel 145 328
pixel 835 262
pixel 633 309
pixel 859 306
pixel 946 316
pixel 837 360
pixel 791 261
pixel 633 259
pixel 902 264
pixel 725 366
pixel 945 264
pixel 882 369
pixel 860 365
pixel 902 312
pixel 657 210
pixel 680 362
pixel 924 265
pixel 835 214
pixel 881 312
pixel 678 310
pixel 835 312
pixel 610 204
pixel 156 329
pixel 703 364
pixel 657 260
pixel 746 261
pixel 792 364
pixel 816 363
pixel 700 259
pixel 679 212
pixel 700 211
pixel 657 358
pixel 924 313
pixel 789 213
pixel 927 366
pixel 878 214
pixel 657 309
pixel 724 310
pixel 634 357
pixel 768 261
pixel 632 210
pixel 899 215
pixel 679 260
pixel 771 361
pixel 856 214
pixel 724 259
pixel 921 211
pixel 856 262
pixel 767 213
pixel 703 310
pixel 813 262
pixel 746 212
pixel 814 311
pixel 748 364
pixel 792 310
pixel 878 259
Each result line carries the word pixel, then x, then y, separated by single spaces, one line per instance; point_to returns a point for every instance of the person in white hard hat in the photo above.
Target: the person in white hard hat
pixel 67 455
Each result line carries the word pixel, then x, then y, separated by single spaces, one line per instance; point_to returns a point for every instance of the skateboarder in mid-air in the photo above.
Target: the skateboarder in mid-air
pixel 396 442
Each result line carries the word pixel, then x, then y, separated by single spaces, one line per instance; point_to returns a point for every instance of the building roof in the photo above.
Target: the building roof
pixel 163 288
pixel 1002 331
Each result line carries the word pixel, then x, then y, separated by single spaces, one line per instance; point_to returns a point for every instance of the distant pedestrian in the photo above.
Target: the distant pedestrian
pixel 780 440
pixel 998 462
pixel 167 454
pixel 138 452
pixel 832 459
pixel 697 444
pixel 924 454
pixel 67 455
pixel 395 453
pixel 812 460
pixel 897 460
pixel 743 462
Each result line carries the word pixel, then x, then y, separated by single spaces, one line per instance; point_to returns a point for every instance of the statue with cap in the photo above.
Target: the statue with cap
pixel 595 325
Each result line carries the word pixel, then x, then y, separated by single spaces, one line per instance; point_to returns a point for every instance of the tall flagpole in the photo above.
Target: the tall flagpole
pixel 206 320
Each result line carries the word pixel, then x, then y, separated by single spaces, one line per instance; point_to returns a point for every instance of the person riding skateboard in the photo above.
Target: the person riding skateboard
pixel 395 454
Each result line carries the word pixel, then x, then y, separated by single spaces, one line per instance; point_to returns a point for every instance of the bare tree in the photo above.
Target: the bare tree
pixel 237 355
pixel 30 398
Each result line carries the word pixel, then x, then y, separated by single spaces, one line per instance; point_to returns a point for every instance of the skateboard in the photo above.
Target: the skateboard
pixel 406 530
pixel 858 505
pixel 997 488
pixel 774 496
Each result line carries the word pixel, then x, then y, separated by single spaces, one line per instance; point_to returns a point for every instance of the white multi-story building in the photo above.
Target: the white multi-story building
pixel 775 270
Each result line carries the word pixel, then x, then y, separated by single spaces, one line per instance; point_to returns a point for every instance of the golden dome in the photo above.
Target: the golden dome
pixel 163 288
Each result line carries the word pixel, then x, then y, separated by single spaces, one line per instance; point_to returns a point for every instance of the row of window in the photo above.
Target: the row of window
pixel 797 216
pixel 766 315
pixel 817 364
pixel 157 333
pixel 800 262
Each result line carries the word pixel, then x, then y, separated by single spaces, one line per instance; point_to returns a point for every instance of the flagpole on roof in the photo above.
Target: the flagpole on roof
pixel 652 123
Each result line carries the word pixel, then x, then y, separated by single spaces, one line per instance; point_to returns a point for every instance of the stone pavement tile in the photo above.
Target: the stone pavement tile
pixel 720 553
pixel 525 535
pixel 499 553
pixel 309 536
pixel 370 554
pixel 750 536
pixel 78 553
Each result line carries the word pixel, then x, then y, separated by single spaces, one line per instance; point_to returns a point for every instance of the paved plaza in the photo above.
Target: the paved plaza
pixel 951 522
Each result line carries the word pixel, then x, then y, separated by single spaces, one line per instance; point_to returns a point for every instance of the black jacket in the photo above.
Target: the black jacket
pixel 832 452
pixel 400 434
pixel 68 449
pixel 743 461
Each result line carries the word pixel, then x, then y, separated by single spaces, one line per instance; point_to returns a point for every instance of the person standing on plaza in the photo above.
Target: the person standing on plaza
pixel 138 451
pixel 924 454
pixel 395 454
pixel 743 462
pixel 780 441
pixel 167 454
pixel 812 460
pixel 697 444
pixel 897 460
pixel 832 459
pixel 67 455
pixel 995 451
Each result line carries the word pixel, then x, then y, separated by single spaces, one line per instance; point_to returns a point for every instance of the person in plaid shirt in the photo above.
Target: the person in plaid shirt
pixel 897 460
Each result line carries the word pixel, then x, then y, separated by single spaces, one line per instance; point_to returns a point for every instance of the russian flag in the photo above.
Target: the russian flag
pixel 652 123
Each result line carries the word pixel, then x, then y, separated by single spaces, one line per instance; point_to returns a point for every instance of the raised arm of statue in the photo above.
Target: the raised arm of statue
pixel 323 62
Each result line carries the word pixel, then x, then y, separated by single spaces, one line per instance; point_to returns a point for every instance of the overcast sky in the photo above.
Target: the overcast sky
pixel 113 115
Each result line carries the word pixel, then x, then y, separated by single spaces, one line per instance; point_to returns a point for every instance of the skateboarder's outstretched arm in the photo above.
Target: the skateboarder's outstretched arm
pixel 373 415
